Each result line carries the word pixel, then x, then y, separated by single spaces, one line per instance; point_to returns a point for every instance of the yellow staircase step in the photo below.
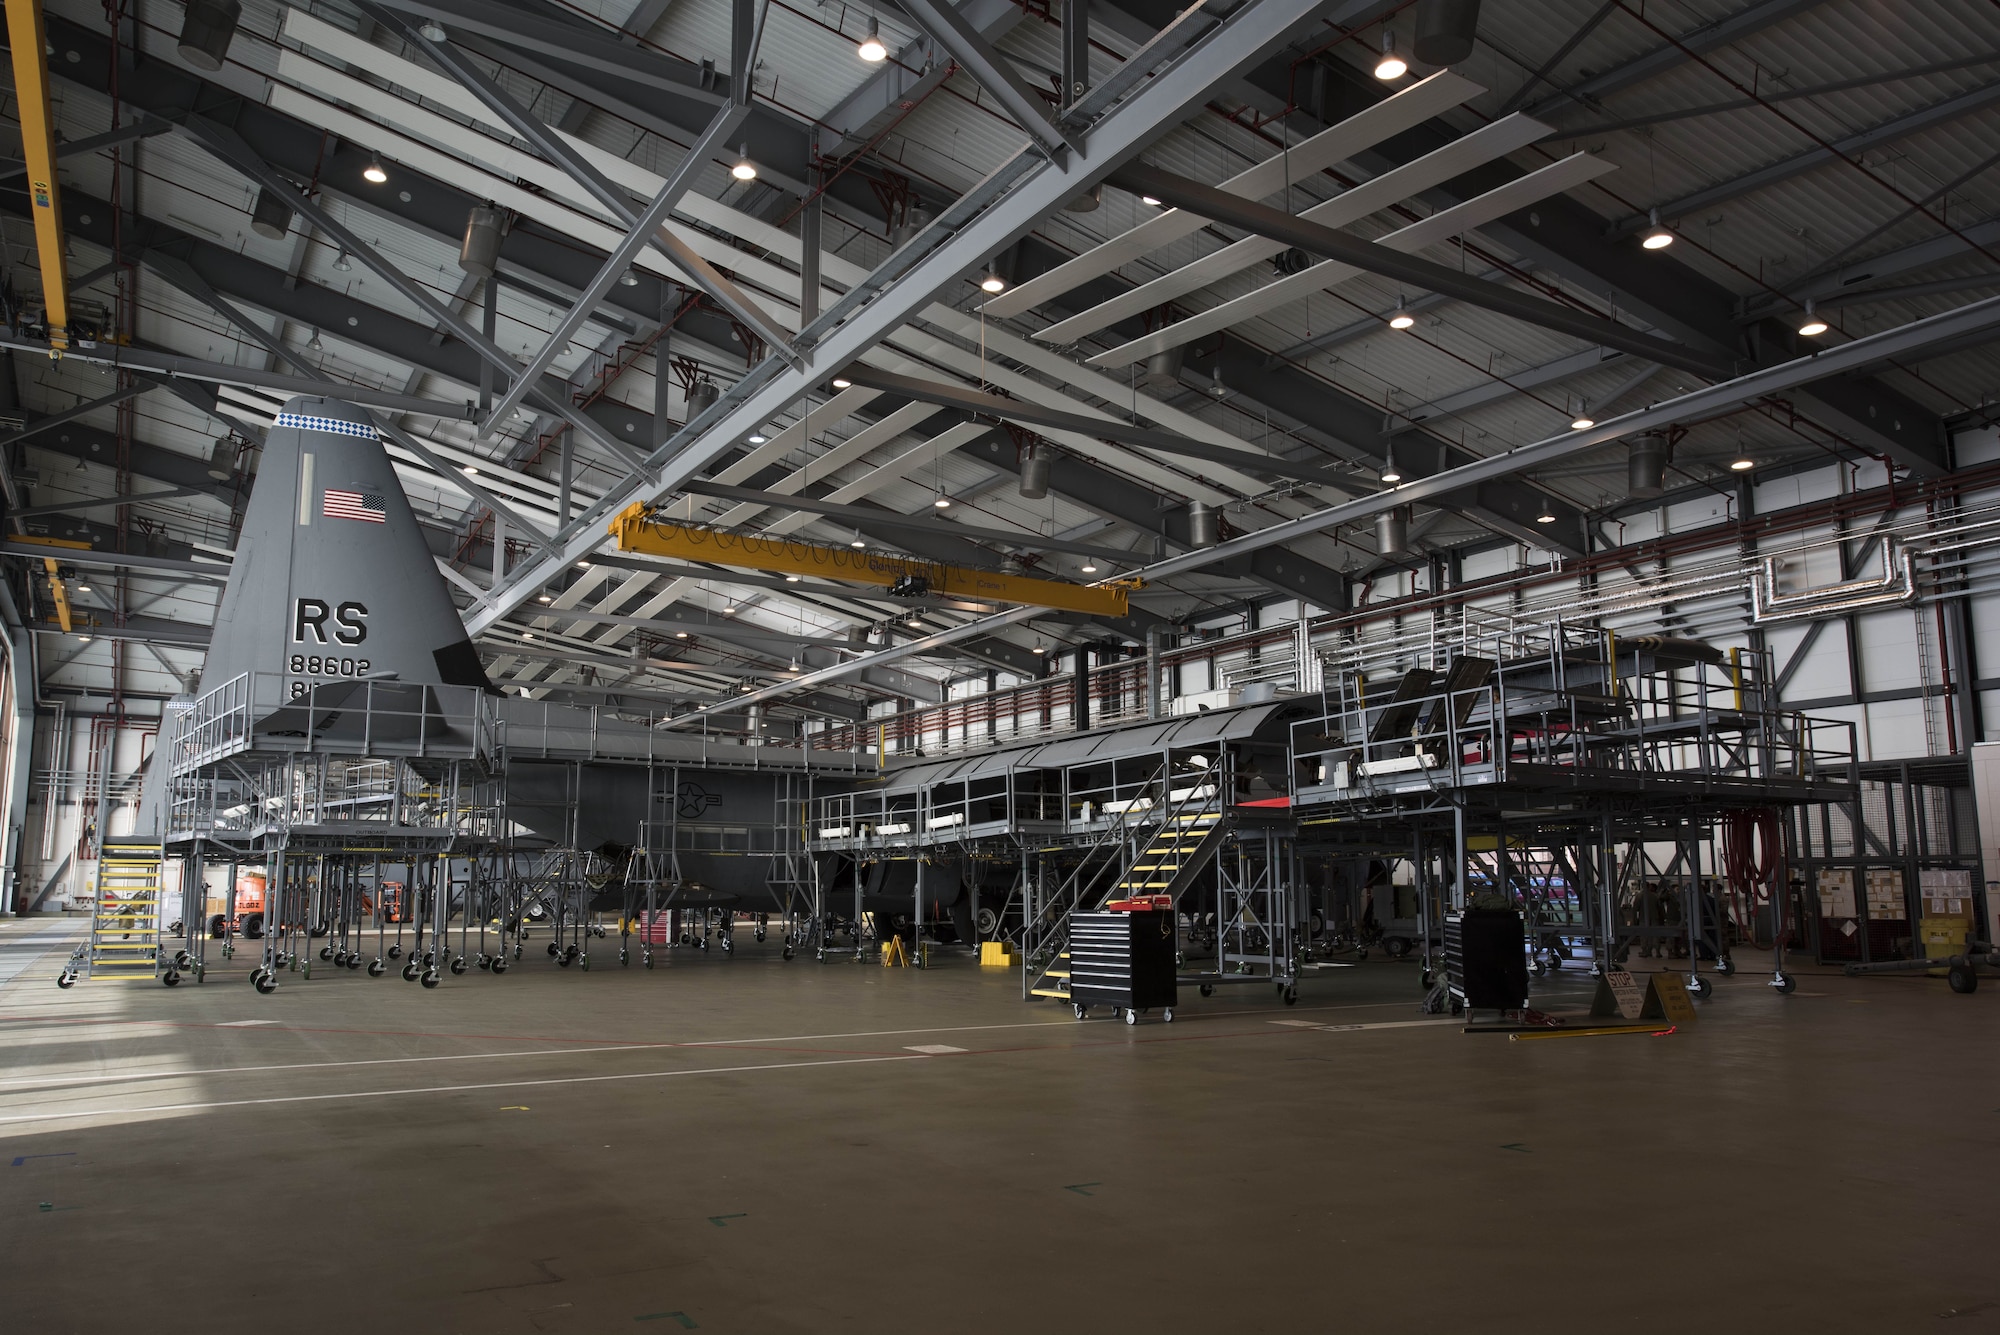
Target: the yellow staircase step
pixel 1049 992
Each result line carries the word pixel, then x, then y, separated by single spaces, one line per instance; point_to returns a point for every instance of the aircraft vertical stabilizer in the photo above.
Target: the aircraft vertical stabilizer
pixel 333 582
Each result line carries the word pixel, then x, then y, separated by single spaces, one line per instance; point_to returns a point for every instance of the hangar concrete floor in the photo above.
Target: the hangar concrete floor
pixel 749 1145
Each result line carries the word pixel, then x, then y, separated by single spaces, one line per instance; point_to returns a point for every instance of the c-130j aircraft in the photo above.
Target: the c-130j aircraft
pixel 335 595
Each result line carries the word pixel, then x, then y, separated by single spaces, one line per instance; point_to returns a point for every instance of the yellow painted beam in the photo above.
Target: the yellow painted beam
pixel 637 532
pixel 29 42
pixel 60 592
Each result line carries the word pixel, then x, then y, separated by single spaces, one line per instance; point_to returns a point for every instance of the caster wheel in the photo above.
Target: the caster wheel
pixel 1080 1011
pixel 376 968
pixel 266 984
pixel 171 978
pixel 1208 989
pixel 1167 1015
pixel 1535 969
pixel 326 952
pixel 1725 966
pixel 1700 986
pixel 787 952
pixel 1962 979
pixel 554 950
pixel 458 965
pixel 1784 983
pixel 500 966
pixel 563 960
pixel 1291 996
pixel 820 955
pixel 1429 981
pixel 182 959
pixel 353 961
pixel 624 956
pixel 395 952
pixel 339 957
pixel 1131 1016
pixel 410 972
pixel 485 962
pixel 759 934
pixel 430 978
pixel 517 952
pixel 282 960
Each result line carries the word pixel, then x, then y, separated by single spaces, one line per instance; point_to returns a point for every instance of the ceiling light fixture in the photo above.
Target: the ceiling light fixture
pixel 83 586
pixel 315 344
pixel 1089 566
pixel 1390 66
pixel 841 382
pixel 1402 319
pixel 871 48
pixel 1038 648
pixel 1215 386
pixel 85 638
pixel 1583 421
pixel 1656 236
pixel 744 170
pixel 1149 201
pixel 341 262
pixel 628 279
pixel 943 502
pixel 791 579
pixel 1742 463
pixel 993 282
pixel 1812 326
pixel 757 438
pixel 373 172
pixel 794 665
pixel 1548 514
pixel 543 598
pixel 432 31
pixel 1390 473
pixel 469 470
pixel 857 541
pixel 729 610
pixel 680 635
pixel 583 565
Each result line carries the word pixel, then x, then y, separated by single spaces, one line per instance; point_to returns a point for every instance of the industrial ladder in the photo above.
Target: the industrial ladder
pixel 125 919
pixel 1182 843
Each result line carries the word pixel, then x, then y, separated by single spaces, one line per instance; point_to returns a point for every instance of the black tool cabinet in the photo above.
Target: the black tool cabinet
pixel 1124 960
pixel 1486 959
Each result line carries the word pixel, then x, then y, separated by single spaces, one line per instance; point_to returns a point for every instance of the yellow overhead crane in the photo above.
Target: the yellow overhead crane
pixel 638 531
pixel 29 41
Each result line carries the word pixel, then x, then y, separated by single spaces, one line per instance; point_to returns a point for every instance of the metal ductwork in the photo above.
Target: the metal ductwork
pixel 1445 30
pixel 1035 474
pixel 915 220
pixel 207 30
pixel 1204 525
pixel 480 251
pixel 1646 467
pixel 1392 532
pixel 271 218
pixel 1164 366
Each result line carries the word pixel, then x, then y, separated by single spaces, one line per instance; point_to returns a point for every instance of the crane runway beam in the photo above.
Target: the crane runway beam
pixel 638 531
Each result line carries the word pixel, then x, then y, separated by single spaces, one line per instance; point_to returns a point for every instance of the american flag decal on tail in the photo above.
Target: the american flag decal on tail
pixel 367 506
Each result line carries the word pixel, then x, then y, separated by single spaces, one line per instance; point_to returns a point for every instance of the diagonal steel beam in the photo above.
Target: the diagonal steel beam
pixel 1903 342
pixel 229 148
pixel 1412 269
pixel 1731 28
pixel 67 415
pixel 956 34
pixel 1849 148
pixel 142 128
pixel 1017 410
pixel 181 275
pixel 996 213
pixel 646 226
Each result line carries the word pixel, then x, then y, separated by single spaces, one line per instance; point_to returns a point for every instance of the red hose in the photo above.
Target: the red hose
pixel 1753 860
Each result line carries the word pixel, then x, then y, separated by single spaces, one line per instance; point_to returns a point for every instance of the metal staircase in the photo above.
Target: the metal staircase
pixel 1156 846
pixel 125 919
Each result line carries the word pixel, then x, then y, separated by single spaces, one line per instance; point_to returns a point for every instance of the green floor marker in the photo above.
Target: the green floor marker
pixel 717 1219
pixel 1079 1188
pixel 687 1322
pixel 1517 1145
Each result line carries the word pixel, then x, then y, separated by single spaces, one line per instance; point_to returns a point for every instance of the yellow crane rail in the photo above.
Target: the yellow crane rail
pixel 637 531
pixel 29 41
